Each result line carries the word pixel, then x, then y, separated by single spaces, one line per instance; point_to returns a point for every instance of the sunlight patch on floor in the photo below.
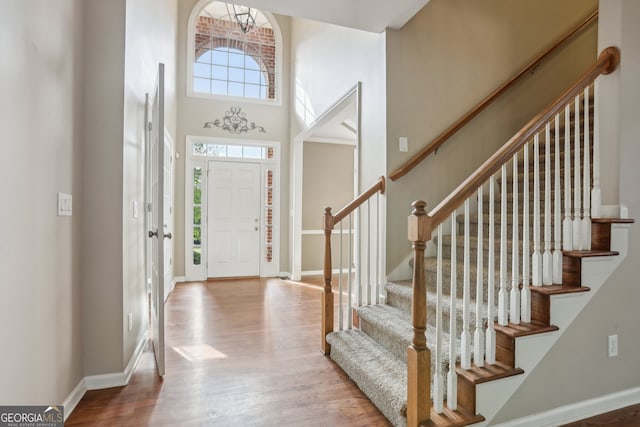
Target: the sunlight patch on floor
pixel 199 352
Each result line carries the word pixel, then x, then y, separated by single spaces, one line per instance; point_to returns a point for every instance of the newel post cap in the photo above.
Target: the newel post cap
pixel 419 223
pixel 328 219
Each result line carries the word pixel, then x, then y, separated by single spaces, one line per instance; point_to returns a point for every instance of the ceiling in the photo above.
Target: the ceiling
pixel 368 15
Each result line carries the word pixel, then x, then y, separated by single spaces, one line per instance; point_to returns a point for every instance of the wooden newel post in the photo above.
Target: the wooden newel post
pixel 327 294
pixel 418 355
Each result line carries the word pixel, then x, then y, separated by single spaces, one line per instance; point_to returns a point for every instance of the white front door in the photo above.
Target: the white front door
pixel 234 219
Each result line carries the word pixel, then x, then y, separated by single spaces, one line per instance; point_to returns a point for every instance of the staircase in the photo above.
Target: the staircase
pixel 474 291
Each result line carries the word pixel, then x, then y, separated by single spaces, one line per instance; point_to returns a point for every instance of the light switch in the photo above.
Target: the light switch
pixel 65 204
pixel 403 142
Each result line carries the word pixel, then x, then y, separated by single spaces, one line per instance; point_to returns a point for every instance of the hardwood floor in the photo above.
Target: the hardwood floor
pixel 238 353
pixel 625 417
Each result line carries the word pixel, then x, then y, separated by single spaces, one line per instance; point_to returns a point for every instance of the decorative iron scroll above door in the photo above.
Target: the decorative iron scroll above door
pixel 235 121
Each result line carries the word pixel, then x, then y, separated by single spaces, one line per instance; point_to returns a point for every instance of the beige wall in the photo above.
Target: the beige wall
pixel 150 39
pixel 580 357
pixel 445 60
pixel 102 174
pixel 327 181
pixel 194 112
pixel 40 155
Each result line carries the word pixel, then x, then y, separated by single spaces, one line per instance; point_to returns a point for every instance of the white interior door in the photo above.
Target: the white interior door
pixel 233 219
pixel 156 234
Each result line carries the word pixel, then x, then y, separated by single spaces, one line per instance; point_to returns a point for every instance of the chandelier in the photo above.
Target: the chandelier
pixel 245 17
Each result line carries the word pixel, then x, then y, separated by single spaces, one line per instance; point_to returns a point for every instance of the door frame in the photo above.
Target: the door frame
pixel 267 269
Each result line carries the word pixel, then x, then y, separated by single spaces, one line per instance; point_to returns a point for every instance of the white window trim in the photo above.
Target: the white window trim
pixel 195 12
pixel 199 272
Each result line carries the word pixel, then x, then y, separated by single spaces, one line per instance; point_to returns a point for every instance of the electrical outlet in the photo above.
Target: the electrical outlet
pixel 130 321
pixel 613 345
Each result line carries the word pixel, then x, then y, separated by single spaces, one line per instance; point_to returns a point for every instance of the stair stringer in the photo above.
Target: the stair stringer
pixel 530 350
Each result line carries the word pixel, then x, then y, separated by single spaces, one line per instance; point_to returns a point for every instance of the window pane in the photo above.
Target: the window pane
pixel 197 215
pixel 219 72
pixel 235 151
pixel 217 150
pixel 236 89
pixel 236 75
pixel 204 58
pixel 197 196
pixel 219 87
pixel 251 63
pixel 251 76
pixel 197 234
pixel 201 85
pixel 236 59
pixel 219 57
pixel 251 152
pixel 252 91
pixel 201 70
pixel 197 256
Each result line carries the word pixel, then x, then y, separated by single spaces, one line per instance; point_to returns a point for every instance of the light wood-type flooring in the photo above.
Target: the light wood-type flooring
pixel 238 353
pixel 246 353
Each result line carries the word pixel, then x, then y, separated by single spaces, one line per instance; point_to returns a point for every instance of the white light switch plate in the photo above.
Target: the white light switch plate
pixel 65 204
pixel 403 143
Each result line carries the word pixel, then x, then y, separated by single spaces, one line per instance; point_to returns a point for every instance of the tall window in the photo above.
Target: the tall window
pixel 229 60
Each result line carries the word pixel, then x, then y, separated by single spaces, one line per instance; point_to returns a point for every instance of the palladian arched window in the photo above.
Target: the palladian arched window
pixel 234 51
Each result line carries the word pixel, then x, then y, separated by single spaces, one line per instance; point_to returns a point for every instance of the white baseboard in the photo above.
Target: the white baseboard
pixel 179 279
pixel 74 398
pixel 117 379
pixel 577 411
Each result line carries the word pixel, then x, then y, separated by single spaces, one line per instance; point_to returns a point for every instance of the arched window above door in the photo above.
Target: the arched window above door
pixel 234 51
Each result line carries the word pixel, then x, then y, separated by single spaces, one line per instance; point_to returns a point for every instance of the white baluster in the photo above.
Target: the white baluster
pixel 547 258
pixel 452 377
pixel 465 337
pixel 577 205
pixel 536 258
pixel 596 197
pixel 567 224
pixel 491 279
pixel 368 251
pixel 557 237
pixel 503 313
pixel 438 380
pixel 340 311
pixel 349 279
pixel 514 312
pixel 586 206
pixel 525 295
pixel 478 335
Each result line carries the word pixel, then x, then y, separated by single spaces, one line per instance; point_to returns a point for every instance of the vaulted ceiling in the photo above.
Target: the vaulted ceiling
pixel 368 15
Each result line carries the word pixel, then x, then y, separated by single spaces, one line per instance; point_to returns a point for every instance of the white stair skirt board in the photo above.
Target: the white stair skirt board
pixel 577 411
pixel 493 395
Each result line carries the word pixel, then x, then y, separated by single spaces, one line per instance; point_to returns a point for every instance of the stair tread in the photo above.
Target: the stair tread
pixel 486 373
pixel 378 373
pixel 524 329
pixel 558 289
pixel 589 254
pixel 449 418
pixel 613 220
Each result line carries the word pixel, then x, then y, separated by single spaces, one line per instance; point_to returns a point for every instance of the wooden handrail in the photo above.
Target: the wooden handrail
pixel 451 130
pixel 378 186
pixel 606 63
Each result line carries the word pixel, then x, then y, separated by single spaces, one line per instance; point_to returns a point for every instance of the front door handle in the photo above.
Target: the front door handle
pixel 153 233
pixel 168 235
